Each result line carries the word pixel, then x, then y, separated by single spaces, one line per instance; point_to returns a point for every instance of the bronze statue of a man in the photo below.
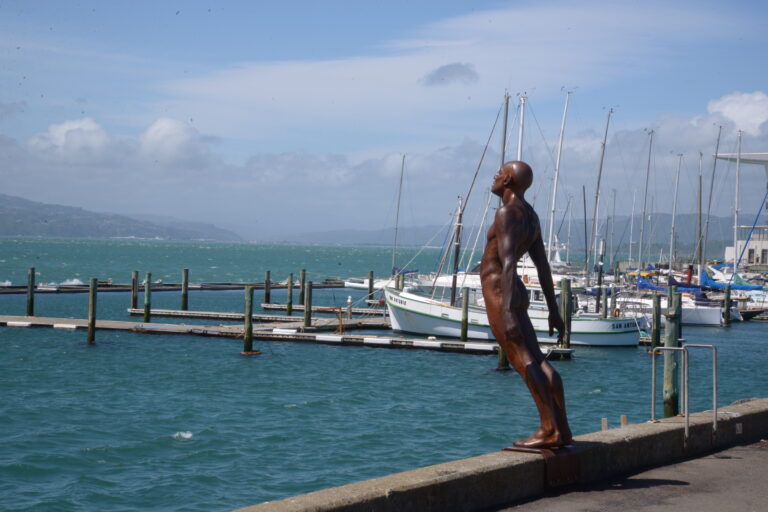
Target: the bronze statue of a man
pixel 514 232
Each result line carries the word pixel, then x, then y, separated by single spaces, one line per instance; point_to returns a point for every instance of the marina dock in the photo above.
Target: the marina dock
pixel 323 331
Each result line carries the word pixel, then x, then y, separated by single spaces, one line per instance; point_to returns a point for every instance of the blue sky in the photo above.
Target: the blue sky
pixel 271 118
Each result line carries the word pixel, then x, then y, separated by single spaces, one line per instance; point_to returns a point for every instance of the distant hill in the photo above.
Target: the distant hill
pixel 22 217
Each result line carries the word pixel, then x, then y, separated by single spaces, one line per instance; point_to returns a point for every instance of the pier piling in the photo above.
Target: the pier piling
pixel 248 321
pixel 289 296
pixel 302 283
pixel 566 311
pixel 727 307
pixel 604 423
pixel 135 289
pixel 31 292
pixel 148 297
pixel 370 285
pixel 656 322
pixel 503 362
pixel 308 304
pixel 671 339
pixel 613 301
pixel 91 337
pixel 464 312
pixel 267 287
pixel 184 289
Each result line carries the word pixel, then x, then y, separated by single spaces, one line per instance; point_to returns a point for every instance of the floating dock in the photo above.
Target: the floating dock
pixel 317 333
pixel 158 287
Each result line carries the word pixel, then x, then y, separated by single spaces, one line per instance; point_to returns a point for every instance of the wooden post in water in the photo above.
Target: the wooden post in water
pixel 464 313
pixel 370 285
pixel 185 289
pixel 148 297
pixel 727 307
pixel 91 338
pixel 656 321
pixel 308 304
pixel 671 327
pixel 267 288
pixel 289 296
pixel 604 310
pixel 566 310
pixel 31 292
pixel 302 285
pixel 503 364
pixel 135 289
pixel 248 321
pixel 613 301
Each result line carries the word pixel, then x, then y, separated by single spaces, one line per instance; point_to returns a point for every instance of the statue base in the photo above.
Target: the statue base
pixel 562 464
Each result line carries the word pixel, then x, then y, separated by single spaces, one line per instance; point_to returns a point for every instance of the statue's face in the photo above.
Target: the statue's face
pixel 500 180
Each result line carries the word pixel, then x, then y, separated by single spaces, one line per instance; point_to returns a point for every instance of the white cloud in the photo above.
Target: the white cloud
pixel 748 111
pixel 172 142
pixel 79 140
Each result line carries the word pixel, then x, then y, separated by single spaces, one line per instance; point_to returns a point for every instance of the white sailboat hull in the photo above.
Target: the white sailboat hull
pixel 417 314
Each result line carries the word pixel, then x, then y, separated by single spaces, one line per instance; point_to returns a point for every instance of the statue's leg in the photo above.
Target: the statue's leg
pixel 529 364
pixel 558 397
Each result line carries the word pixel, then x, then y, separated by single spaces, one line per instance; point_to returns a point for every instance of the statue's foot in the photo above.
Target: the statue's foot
pixel 542 439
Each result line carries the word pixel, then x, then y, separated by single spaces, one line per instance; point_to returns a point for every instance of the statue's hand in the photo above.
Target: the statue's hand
pixel 555 322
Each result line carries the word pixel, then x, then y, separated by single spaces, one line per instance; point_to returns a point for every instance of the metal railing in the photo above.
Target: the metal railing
pixel 685 391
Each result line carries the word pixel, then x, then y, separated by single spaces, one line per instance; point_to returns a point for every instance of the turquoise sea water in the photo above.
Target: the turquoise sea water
pixel 142 422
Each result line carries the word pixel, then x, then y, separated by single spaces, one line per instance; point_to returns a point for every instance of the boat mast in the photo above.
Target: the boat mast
pixel 557 174
pixel 397 214
pixel 523 98
pixel 674 212
pixel 645 200
pixel 632 225
pixel 586 239
pixel 456 252
pixel 568 247
pixel 613 228
pixel 736 204
pixel 709 202
pixel 504 129
pixel 699 237
pixel 599 177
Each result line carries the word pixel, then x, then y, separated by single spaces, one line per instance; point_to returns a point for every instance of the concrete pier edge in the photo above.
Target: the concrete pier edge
pixel 502 478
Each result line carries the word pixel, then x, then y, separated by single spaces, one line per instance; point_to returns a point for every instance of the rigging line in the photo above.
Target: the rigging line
pixel 565 212
pixel 752 229
pixel 618 246
pixel 543 139
pixel 477 237
pixel 482 157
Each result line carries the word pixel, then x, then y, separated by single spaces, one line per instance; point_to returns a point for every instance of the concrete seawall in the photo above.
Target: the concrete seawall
pixel 502 478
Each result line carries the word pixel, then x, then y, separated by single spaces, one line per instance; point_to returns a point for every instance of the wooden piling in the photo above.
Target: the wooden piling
pixel 370 285
pixel 671 328
pixel 656 321
pixel 248 321
pixel 135 289
pixel 91 337
pixel 302 283
pixel 727 307
pixel 267 288
pixel 289 297
pixel 464 313
pixel 566 311
pixel 613 301
pixel 31 292
pixel 623 420
pixel 604 311
pixel 308 304
pixel 184 289
pixel 503 362
pixel 604 423
pixel 148 297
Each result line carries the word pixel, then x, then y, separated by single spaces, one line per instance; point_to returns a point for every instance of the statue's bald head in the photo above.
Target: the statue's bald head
pixel 521 174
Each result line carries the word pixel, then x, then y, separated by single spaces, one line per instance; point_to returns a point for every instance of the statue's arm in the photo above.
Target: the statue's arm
pixel 539 257
pixel 507 247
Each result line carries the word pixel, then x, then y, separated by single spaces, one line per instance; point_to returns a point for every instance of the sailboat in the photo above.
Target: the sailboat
pixel 413 311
